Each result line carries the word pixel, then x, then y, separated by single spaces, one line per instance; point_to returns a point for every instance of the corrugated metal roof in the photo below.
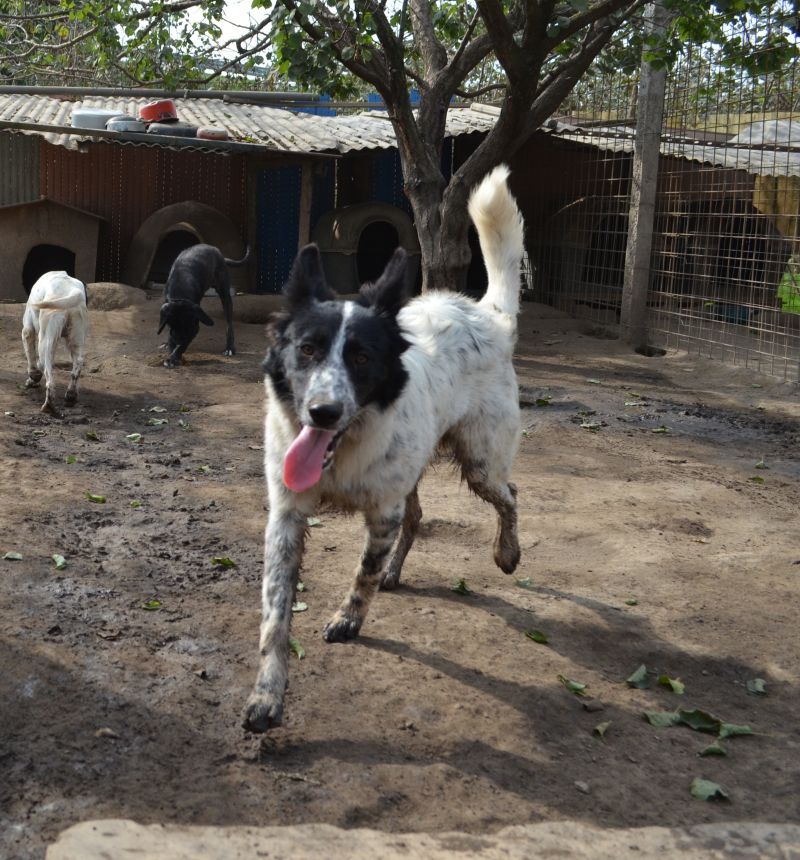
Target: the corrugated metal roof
pixel 769 159
pixel 288 131
pixel 276 128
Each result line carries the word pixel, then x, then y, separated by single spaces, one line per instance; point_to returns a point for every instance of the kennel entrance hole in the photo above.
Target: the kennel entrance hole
pixel 169 246
pixel 46 258
pixel 376 244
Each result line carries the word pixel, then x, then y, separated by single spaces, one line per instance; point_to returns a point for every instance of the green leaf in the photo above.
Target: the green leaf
pixel 593 381
pixel 299 606
pixel 715 749
pixel 756 479
pixel 537 636
pixel 761 465
pixel 524 583
pixel 294 645
pixel 601 728
pixel 157 409
pixel 97 499
pixel 71 458
pixel 222 561
pixel 59 561
pixel 704 789
pixel 184 425
pixel 136 503
pixel 151 605
pixel 757 687
pixel 573 686
pixel 134 437
pixel 590 425
pixel 700 721
pixel 460 587
pixel 631 601
pixel 731 730
pixel 662 719
pixel 301 586
pixel 313 522
pixel 185 408
pixel 13 556
pixel 204 469
pixel 157 422
pixel 639 679
pixel 91 436
pixel 674 684
pixel 661 429
pixel 543 401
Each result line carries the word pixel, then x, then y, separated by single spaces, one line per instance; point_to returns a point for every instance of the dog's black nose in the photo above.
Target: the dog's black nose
pixel 325 414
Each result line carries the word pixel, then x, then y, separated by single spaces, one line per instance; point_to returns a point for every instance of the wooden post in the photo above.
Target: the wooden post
pixel 306 189
pixel 649 116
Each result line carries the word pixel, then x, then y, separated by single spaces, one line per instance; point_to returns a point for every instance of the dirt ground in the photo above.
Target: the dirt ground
pixel 668 549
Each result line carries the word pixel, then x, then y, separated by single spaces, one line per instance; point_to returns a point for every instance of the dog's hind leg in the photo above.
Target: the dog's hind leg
pixel 408 531
pixel 29 345
pixel 283 551
pixel 76 349
pixel 223 288
pixel 382 529
pixel 503 495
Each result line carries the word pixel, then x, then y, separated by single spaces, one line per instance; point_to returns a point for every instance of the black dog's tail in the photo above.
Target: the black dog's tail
pixel 236 263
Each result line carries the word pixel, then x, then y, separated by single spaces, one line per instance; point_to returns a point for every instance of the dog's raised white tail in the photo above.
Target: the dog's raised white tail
pixel 501 232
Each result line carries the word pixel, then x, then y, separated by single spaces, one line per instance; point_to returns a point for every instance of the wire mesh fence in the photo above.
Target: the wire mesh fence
pixel 725 261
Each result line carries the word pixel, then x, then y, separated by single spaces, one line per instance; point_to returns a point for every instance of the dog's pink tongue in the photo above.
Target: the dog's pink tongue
pixel 302 465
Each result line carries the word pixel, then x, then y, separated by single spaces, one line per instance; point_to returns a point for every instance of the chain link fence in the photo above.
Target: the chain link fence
pixel 724 276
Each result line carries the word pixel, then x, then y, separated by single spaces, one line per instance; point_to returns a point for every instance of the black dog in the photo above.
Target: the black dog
pixel 194 271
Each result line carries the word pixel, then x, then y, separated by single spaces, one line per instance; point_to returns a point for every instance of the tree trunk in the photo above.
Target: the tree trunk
pixel 442 228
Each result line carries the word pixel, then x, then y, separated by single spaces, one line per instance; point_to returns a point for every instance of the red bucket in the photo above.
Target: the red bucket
pixel 159 111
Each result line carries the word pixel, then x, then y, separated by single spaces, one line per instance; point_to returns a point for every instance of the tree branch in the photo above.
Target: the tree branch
pixel 433 53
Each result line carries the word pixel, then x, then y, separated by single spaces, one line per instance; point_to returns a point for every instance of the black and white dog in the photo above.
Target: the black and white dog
pixel 195 270
pixel 360 396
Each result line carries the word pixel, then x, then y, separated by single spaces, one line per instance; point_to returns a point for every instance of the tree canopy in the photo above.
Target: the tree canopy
pixel 527 55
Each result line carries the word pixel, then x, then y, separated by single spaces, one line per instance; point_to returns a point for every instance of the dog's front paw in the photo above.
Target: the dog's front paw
pixel 34 379
pixel 391 579
pixel 49 408
pixel 341 627
pixel 263 711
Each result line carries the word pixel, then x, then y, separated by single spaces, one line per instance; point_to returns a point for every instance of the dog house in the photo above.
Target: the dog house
pixel 45 236
pixel 357 241
pixel 171 230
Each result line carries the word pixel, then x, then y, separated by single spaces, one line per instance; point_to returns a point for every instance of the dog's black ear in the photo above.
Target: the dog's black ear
pixel 273 361
pixel 389 293
pixel 307 280
pixel 202 315
pixel 163 318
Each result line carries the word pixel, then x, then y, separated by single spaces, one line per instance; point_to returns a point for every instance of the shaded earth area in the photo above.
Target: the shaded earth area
pixel 639 547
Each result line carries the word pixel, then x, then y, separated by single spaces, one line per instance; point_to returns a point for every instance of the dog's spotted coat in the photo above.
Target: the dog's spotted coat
pixel 360 397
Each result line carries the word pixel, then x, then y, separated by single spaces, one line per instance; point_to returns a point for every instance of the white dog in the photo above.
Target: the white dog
pixel 56 308
pixel 361 394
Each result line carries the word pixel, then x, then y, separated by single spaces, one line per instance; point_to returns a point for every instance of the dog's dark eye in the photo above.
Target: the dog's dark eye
pixel 361 358
pixel 307 349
